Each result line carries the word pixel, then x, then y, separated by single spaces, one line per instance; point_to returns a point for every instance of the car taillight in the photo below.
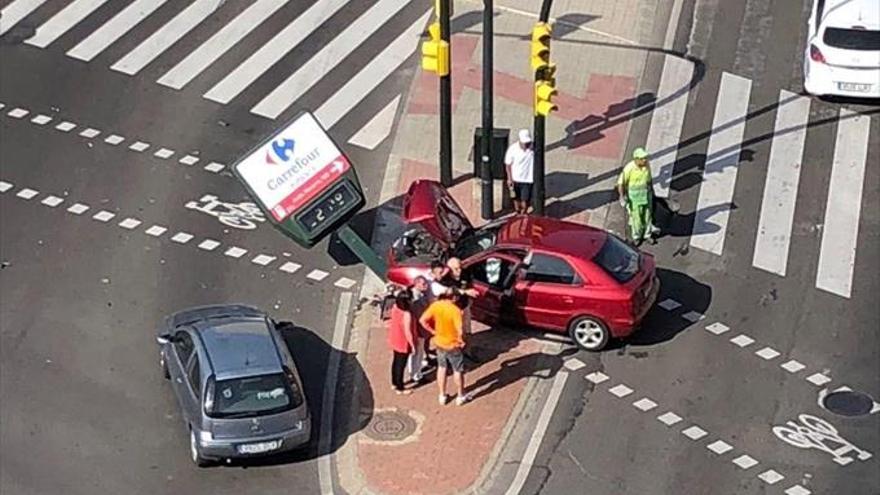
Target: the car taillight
pixel 296 393
pixel 209 396
pixel 816 54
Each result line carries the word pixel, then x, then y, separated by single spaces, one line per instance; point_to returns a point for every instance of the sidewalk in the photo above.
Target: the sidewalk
pixel 411 444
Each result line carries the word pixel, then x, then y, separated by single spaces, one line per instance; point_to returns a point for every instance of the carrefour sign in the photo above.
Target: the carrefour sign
pixel 292 167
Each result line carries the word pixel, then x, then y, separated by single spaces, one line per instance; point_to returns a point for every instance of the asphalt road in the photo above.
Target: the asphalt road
pixel 605 440
pixel 83 406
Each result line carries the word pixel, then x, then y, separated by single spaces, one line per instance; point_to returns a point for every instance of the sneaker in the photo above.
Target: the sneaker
pixel 442 398
pixel 462 399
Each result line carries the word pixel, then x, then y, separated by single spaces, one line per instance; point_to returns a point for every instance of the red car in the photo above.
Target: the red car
pixel 530 270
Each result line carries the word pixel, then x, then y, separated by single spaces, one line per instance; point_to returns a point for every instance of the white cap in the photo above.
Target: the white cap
pixel 524 136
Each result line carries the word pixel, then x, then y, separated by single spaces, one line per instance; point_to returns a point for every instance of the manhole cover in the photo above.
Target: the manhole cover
pixel 390 426
pixel 848 403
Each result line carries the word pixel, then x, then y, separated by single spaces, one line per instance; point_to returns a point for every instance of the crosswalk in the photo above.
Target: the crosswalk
pixel 772 247
pixel 127 21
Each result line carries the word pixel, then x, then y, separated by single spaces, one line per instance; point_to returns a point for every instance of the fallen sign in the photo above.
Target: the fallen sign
pixel 302 180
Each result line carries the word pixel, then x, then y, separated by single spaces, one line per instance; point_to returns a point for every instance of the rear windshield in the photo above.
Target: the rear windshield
pixel 618 259
pixel 852 39
pixel 251 396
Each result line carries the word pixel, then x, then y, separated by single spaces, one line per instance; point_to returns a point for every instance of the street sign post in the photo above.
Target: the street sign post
pixel 306 186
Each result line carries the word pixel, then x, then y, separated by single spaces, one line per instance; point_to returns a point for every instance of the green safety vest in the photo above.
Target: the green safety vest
pixel 638 183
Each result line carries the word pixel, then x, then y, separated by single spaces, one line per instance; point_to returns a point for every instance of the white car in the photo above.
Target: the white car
pixel 842 56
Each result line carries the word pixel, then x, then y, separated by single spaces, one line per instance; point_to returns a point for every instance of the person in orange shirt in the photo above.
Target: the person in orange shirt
pixel 443 319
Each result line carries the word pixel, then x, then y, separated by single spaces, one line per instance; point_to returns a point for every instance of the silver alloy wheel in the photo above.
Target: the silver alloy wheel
pixel 193 447
pixel 589 333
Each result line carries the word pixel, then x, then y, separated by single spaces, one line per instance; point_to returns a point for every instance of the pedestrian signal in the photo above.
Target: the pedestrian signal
pixel 435 52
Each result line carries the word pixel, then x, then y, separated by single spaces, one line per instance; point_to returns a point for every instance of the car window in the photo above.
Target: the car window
pixel 183 344
pixel 491 271
pixel 550 269
pixel 852 39
pixel 195 375
pixel 617 259
pixel 252 396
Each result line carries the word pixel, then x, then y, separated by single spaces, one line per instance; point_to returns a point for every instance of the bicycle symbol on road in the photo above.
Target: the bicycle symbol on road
pixel 816 433
pixel 244 215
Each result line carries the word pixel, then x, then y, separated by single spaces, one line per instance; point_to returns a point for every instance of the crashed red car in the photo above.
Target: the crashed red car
pixel 530 270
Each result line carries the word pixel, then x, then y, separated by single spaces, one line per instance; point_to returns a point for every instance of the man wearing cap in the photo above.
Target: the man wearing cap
pixel 636 195
pixel 520 160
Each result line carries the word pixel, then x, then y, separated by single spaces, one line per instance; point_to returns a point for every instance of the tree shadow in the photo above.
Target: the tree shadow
pixel 590 128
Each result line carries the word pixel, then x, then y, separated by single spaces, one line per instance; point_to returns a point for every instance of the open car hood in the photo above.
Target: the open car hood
pixel 430 205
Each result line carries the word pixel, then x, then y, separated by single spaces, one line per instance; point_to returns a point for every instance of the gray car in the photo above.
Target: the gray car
pixel 235 381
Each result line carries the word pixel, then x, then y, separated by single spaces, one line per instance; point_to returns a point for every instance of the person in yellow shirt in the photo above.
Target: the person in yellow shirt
pixel 636 190
pixel 443 319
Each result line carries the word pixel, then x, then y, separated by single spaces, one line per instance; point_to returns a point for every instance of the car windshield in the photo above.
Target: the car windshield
pixel 479 240
pixel 852 39
pixel 618 259
pixel 251 396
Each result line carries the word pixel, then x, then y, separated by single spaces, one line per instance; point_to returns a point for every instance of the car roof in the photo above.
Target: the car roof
pixel 550 234
pixel 239 346
pixel 849 13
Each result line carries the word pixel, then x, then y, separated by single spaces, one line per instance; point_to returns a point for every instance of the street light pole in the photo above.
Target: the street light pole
pixel 486 180
pixel 445 102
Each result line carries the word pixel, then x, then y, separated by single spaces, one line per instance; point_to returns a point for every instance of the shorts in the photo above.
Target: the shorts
pixel 452 358
pixel 522 191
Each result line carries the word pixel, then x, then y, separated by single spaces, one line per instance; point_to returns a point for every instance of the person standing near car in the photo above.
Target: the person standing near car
pixel 519 160
pixel 460 287
pixel 421 299
pixel 636 190
pixel 401 336
pixel 443 319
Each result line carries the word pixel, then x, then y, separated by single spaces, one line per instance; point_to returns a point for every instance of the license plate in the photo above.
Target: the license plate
pixel 857 87
pixel 258 448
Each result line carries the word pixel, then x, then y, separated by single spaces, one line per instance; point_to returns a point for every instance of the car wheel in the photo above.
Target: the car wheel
pixel 164 364
pixel 194 451
pixel 589 333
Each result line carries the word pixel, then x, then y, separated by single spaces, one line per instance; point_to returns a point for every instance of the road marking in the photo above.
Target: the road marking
pixel 720 447
pixel 325 433
pixel 290 267
pixel 273 51
pixel 818 379
pixel 263 259
pixel 5 186
pixel 334 52
pixel 235 252
pixel 717 328
pixel 693 316
pixel 114 29
pixel 694 432
pixel 156 230
pixel 18 113
pixel 768 353
pixel 597 377
pixel 667 120
pixel 770 477
pixel 797 490
pixel 52 201
pixel 166 36
pixel 182 237
pixel 208 244
pixel 129 223
pixel 317 275
pixel 669 418
pixel 139 146
pixel 163 153
pixel 66 126
pixel 27 193
pixel 837 255
pixel 61 22
pixel 103 216
pixel 573 364
pixel 620 390
pixel 669 304
pixel 16 11
pixel 89 133
pixel 792 366
pixel 645 404
pixel 745 462
pixel 722 162
pixel 78 209
pixel 378 128
pixel 189 160
pixel 345 283
pixel 743 340
pixel 816 433
pixel 781 186
pixel 379 68
pixel 208 52
pixel 41 119
pixel 214 167
pixel 522 473
pixel 114 139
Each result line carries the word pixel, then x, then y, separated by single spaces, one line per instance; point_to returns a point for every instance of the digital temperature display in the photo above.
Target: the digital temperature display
pixel 328 208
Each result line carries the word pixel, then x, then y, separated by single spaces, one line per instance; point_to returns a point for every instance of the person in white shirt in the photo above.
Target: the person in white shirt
pixel 520 159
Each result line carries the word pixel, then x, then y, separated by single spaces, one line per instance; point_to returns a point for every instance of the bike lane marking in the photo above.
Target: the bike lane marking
pixel 157 231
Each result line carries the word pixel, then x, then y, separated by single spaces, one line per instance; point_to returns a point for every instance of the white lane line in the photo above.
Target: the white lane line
pixel 156 230
pixel 317 275
pixel 743 340
pixel 139 146
pixel 781 186
pixel 644 404
pixel 694 432
pixel 667 120
pixel 129 223
pixel 115 28
pixel 328 401
pixel 114 139
pixel 720 447
pixel 61 22
pixel 771 477
pixel 792 366
pixel 597 377
pixel 837 256
pixel 745 461
pixel 27 193
pixel 218 44
pixel 214 167
pixel 166 36
pixel 52 201
pixel 163 153
pixel 274 50
pixel 669 304
pixel 818 379
pixel 16 11
pixel 208 244
pixel 89 133
pixel 189 160
pixel 620 390
pixel 103 216
pixel 722 163
pixel 522 473
pixel 182 237
pixel 235 252
pixel 41 119
pixel 378 128
pixel 263 259
pixel 78 208
pixel 669 418
pixel 18 113
pixel 345 283
pixel 717 328
pixel 334 52
pixel 290 267
pixel 573 364
pixel 5 186
pixel 768 353
pixel 379 68
pixel 66 126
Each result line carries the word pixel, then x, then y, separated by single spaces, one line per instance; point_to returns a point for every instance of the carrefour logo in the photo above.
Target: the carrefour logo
pixel 281 149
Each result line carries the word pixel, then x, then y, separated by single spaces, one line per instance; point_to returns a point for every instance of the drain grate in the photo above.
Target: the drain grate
pixel 387 426
pixel 848 403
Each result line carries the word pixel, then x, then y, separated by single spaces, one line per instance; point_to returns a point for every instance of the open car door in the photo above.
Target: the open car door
pixel 493 274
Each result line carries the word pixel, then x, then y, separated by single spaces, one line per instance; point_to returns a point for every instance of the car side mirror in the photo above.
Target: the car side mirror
pixel 164 338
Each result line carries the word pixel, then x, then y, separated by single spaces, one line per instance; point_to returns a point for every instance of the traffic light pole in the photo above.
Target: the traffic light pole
pixel 539 170
pixel 445 102
pixel 486 181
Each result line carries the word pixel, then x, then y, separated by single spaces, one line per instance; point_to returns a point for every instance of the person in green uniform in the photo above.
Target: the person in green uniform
pixel 636 195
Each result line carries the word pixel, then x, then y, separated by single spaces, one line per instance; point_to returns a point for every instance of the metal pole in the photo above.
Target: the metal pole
pixel 363 251
pixel 539 171
pixel 487 190
pixel 445 103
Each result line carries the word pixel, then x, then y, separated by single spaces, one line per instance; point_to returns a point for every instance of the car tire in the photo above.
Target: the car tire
pixel 194 453
pixel 589 333
pixel 164 364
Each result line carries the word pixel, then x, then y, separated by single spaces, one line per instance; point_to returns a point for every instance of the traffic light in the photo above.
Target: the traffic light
pixel 435 52
pixel 541 46
pixel 544 93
